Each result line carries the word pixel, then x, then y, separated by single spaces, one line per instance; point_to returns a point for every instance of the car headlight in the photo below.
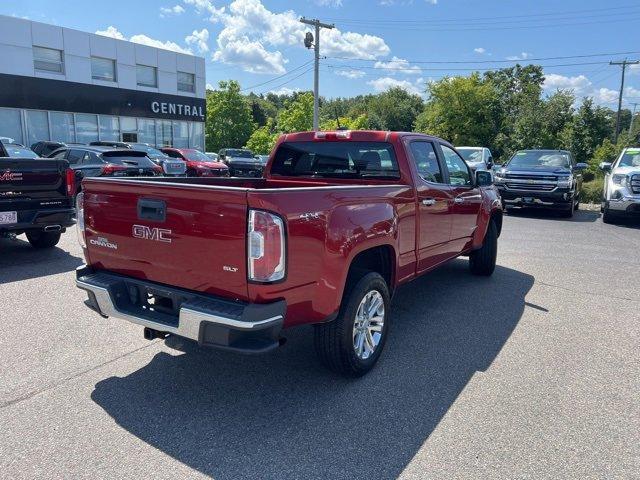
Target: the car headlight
pixel 565 182
pixel 620 179
pixel 498 176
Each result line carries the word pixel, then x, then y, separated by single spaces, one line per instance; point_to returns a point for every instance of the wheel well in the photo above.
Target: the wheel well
pixel 496 216
pixel 378 259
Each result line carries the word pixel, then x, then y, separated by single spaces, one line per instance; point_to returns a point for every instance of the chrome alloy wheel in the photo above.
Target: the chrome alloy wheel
pixel 367 328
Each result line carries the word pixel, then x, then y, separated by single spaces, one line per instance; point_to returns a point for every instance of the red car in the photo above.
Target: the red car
pixel 337 223
pixel 198 164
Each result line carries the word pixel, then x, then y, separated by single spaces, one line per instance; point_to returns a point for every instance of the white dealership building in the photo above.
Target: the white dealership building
pixel 65 85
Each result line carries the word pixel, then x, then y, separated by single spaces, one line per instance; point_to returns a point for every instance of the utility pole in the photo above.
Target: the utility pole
pixel 633 114
pixel 624 64
pixel 308 41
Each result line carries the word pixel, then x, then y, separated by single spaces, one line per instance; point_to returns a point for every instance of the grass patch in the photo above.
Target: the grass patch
pixel 592 191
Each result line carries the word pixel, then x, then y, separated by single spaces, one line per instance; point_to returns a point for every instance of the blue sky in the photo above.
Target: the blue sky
pixel 376 43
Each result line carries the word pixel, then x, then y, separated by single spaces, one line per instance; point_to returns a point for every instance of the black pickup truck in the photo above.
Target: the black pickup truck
pixel 36 197
pixel 548 179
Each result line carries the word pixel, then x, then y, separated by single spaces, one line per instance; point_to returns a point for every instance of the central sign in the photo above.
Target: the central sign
pixel 168 108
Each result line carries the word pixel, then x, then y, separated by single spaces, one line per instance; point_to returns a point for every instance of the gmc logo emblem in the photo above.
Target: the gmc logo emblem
pixel 7 176
pixel 156 234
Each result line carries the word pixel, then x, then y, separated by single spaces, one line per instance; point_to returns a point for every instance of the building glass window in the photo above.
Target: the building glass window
pixel 10 124
pixel 103 69
pixel 62 127
pixel 109 128
pixel 48 60
pixel 147 131
pixel 146 76
pixel 180 134
pixel 196 135
pixel 86 128
pixel 37 126
pixel 186 82
pixel 163 133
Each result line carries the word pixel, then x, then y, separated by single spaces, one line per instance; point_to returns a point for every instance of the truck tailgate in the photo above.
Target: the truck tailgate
pixel 198 242
pixel 27 181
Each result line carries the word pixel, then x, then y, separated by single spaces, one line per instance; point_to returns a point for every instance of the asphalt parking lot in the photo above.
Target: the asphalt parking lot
pixel 532 373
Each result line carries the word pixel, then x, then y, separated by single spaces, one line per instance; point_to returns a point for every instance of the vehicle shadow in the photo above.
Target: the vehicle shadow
pixel 578 216
pixel 283 416
pixel 20 261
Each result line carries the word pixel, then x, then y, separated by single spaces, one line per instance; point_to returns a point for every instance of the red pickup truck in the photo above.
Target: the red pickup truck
pixel 338 221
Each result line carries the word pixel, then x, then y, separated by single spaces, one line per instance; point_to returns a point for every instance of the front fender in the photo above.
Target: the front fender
pixel 491 205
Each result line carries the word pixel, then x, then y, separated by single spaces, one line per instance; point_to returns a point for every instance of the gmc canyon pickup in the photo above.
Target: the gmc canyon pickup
pixel 36 198
pixel 338 221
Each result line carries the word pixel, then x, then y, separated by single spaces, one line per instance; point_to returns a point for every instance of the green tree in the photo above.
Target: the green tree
pixel 557 116
pixel 229 121
pixel 262 109
pixel 361 122
pixel 297 115
pixel 263 139
pixel 461 110
pixel 395 109
pixel 590 126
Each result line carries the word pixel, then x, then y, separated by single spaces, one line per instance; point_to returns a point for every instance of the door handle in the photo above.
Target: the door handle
pixel 458 200
pixel 429 201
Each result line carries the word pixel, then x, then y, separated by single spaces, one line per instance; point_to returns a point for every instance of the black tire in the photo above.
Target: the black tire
pixel 483 261
pixel 334 341
pixel 608 216
pixel 568 213
pixel 40 239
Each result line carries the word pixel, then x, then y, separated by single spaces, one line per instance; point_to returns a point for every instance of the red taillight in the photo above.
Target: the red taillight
pixel 71 182
pixel 110 169
pixel 265 245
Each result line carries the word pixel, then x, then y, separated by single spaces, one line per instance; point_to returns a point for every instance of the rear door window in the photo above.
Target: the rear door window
pixel 336 160
pixel 426 160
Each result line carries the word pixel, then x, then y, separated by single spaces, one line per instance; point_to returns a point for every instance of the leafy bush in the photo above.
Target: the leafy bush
pixel 592 191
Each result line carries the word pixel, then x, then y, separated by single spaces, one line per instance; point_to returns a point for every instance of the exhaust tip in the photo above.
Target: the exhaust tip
pixel 52 228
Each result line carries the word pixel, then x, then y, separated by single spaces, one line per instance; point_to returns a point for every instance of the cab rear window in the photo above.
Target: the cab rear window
pixel 336 160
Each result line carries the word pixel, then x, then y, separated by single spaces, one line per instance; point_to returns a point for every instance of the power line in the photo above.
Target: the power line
pixel 278 77
pixel 533 59
pixel 287 82
pixel 475 19
pixel 455 69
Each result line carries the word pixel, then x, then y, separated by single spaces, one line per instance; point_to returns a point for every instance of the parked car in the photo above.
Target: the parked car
pixel 549 179
pixel 109 143
pixel 44 148
pixel 198 164
pixel 339 220
pixel 241 162
pixel 263 159
pixel 621 186
pixel 170 166
pixel 212 155
pixel 99 161
pixel 36 196
pixel 477 157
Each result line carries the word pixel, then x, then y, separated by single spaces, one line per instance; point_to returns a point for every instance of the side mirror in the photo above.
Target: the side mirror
pixel 490 163
pixel 605 167
pixel 581 166
pixel 484 178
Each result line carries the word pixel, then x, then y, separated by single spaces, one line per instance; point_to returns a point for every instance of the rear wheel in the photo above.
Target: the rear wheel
pixel 40 239
pixel 568 213
pixel 483 260
pixel 352 343
pixel 608 216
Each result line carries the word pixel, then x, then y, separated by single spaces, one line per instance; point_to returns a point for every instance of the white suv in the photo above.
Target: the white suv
pixel 621 186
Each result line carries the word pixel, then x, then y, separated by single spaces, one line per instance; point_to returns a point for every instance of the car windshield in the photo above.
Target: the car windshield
pixel 196 156
pixel 336 159
pixel 20 152
pixel 539 159
pixel 630 158
pixel 473 155
pixel 231 152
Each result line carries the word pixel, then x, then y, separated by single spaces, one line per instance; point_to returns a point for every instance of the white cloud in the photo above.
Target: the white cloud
pixel 168 11
pixel 579 84
pixel 112 32
pixel 352 73
pixel 522 56
pixel 480 50
pixel 399 65
pixel 385 83
pixel 199 39
pixel 252 35
pixel 210 87
pixel 605 95
pixel 142 39
pixel 284 91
